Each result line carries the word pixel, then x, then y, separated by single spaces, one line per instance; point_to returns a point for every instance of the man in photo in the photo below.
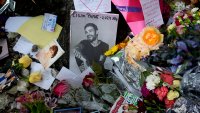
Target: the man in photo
pixel 90 50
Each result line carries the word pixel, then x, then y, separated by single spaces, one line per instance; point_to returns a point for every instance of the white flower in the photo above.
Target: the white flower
pixel 198 21
pixel 179 6
pixel 185 16
pixel 150 85
pixel 193 14
pixel 22 86
pixel 153 78
pixel 194 9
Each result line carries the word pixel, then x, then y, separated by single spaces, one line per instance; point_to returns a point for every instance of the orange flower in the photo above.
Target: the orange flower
pixel 151 37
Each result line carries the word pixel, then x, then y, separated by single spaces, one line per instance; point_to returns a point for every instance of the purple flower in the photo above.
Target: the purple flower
pixel 192 43
pixel 182 46
pixel 145 91
pixel 176 60
pixel 173 69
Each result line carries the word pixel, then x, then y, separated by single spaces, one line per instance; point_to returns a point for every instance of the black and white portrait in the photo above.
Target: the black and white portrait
pixel 92 34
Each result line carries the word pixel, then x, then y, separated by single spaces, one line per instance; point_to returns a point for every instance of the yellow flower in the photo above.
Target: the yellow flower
pixel 112 51
pixel 25 61
pixel 151 37
pixel 121 45
pixel 171 27
pixel 171 95
pixel 35 77
pixel 176 83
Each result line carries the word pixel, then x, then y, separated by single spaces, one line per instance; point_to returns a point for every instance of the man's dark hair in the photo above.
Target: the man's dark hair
pixel 91 24
pixel 55 50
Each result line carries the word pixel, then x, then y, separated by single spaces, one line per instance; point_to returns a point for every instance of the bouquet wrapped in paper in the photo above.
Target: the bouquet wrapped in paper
pixel 128 64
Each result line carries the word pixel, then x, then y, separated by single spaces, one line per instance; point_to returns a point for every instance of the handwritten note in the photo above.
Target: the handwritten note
pixel 152 13
pixel 93 5
pixel 95 16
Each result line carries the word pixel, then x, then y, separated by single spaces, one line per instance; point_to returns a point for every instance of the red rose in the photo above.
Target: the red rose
pixel 88 80
pixel 61 88
pixel 167 77
pixel 161 92
pixel 169 103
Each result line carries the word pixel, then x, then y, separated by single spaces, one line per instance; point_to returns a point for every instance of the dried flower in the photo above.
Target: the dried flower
pixel 61 88
pixel 161 92
pixel 35 77
pixel 172 95
pixel 25 61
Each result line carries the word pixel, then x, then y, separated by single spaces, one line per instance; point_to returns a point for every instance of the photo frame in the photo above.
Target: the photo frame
pixel 92 34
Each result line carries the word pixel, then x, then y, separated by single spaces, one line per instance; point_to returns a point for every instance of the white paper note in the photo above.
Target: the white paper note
pixel 93 5
pixel 69 76
pixel 35 67
pixel 47 79
pixel 152 13
pixel 14 23
pixel 65 74
pixel 24 46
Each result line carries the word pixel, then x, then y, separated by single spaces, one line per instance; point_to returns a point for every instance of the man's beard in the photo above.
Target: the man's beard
pixel 91 39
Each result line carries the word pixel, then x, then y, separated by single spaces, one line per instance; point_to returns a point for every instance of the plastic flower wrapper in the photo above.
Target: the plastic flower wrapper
pixel 186 105
pixel 81 97
pixel 127 76
pixel 190 84
pixel 103 91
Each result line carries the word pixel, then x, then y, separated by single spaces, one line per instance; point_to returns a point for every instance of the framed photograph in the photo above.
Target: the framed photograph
pixel 49 54
pixel 92 34
pixel 68 110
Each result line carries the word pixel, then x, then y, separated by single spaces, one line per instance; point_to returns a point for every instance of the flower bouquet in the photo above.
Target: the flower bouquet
pixel 181 49
pixel 159 91
pixel 128 62
pixel 33 102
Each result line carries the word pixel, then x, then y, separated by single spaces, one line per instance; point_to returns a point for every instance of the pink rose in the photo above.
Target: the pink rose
pixel 169 103
pixel 167 77
pixel 161 92
pixel 61 88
